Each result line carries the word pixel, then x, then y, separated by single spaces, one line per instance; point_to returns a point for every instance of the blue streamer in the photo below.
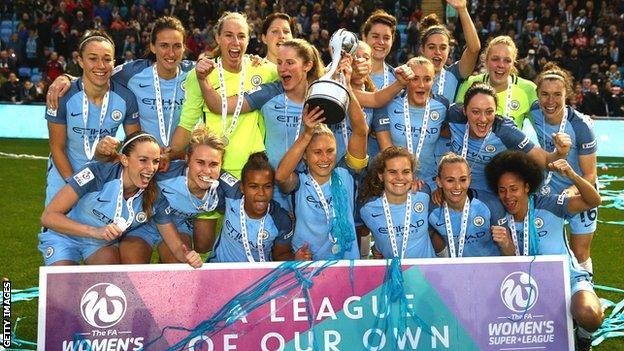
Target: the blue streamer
pixel 531 292
pixel 341 229
pixel 25 294
pixel 533 237
pixel 17 341
pixel 613 325
pixel 392 293
pixel 281 281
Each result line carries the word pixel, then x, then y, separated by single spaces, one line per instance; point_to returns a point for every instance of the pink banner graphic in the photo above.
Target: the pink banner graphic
pixel 516 303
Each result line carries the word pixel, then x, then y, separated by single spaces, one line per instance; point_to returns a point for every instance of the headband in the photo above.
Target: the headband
pixel 435 30
pixel 94 37
pixel 553 76
pixel 141 134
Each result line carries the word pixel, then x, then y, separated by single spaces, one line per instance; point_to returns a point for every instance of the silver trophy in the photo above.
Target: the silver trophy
pixel 332 96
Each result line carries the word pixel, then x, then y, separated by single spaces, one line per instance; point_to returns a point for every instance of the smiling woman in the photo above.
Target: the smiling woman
pixel 93 108
pixel 396 216
pixel 515 94
pixel 105 200
pixel 378 33
pixel 234 75
pixel 280 102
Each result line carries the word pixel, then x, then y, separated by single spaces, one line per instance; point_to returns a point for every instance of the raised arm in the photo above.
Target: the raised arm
pixel 588 168
pixel 588 195
pixel 212 98
pixel 357 147
pixel 285 174
pixel 470 55
pixel 562 143
pixel 382 97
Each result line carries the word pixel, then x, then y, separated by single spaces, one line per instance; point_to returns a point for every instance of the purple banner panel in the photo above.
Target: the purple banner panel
pixel 496 303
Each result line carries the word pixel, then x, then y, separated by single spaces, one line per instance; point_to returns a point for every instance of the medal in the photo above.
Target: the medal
pixel 390 225
pixel 462 229
pixel 335 249
pixel 514 235
pixel 224 102
pixel 245 238
pixel 90 149
pixel 121 222
pixel 164 133
pixel 408 127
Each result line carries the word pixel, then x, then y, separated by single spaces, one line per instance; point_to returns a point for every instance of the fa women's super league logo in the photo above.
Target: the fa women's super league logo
pixel 519 292
pixel 103 305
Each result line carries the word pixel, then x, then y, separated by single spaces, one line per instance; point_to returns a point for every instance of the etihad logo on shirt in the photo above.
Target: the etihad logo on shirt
pixel 315 203
pixel 471 155
pixel 290 121
pixel 401 128
pixel 166 103
pixel 233 232
pixel 94 132
pixel 399 228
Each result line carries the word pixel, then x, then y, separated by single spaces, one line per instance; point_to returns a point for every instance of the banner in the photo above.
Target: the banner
pixel 512 303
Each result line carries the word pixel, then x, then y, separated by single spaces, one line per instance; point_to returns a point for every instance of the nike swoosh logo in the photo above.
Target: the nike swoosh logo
pixel 100 200
pixel 167 191
pixel 397 111
pixel 278 107
pixel 440 224
pixel 75 114
pixel 143 86
pixel 375 215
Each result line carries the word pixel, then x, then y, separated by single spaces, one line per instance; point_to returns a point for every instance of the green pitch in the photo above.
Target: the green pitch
pixel 23 189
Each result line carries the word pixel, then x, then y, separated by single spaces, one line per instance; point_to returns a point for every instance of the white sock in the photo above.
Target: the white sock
pixel 443 253
pixel 587 265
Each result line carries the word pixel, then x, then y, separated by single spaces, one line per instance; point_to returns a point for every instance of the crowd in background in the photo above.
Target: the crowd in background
pixel 39 37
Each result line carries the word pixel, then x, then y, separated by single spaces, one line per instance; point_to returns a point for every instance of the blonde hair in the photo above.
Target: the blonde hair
pixel 322 129
pixel 226 16
pixel 451 158
pixel 420 61
pixel 502 40
pixel 201 135
pixel 369 85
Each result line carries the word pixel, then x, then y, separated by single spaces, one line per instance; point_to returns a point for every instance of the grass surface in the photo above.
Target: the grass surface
pixel 22 197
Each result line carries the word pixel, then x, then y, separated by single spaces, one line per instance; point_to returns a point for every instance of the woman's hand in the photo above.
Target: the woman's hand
pixel 204 67
pixel 304 253
pixel 108 232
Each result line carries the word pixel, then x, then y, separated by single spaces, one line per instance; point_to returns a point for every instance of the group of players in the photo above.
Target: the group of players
pixel 230 136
